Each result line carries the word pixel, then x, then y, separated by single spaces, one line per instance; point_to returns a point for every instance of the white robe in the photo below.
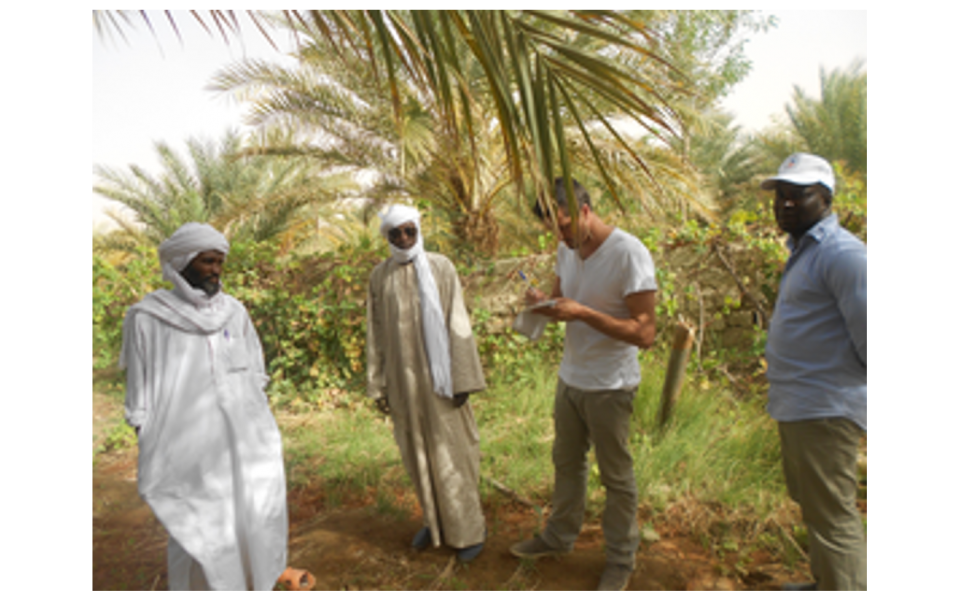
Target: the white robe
pixel 211 458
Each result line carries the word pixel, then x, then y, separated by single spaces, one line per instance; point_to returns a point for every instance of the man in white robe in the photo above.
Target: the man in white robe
pixel 422 363
pixel 211 459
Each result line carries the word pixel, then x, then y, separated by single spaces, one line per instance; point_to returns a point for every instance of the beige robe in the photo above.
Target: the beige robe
pixel 439 444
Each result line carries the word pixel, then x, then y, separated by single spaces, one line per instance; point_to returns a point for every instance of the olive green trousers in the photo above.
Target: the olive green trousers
pixel 820 467
pixel 603 419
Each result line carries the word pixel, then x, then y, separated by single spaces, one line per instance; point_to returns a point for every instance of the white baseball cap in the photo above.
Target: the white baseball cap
pixel 803 169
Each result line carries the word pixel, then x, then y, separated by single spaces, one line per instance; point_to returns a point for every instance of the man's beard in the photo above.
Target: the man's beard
pixel 210 285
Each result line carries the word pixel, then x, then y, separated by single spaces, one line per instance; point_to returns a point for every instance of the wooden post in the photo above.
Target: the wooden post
pixel 682 343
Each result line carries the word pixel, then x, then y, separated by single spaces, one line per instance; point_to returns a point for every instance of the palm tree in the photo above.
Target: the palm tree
pixel 336 115
pixel 725 158
pixel 246 197
pixel 835 126
pixel 540 71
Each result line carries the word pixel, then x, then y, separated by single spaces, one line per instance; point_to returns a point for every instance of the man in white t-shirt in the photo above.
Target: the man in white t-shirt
pixel 605 291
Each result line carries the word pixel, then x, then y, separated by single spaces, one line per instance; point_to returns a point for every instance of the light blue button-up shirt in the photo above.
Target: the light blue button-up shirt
pixel 817 341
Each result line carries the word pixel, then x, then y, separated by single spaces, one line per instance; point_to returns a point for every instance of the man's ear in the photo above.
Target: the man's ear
pixel 825 195
pixel 585 210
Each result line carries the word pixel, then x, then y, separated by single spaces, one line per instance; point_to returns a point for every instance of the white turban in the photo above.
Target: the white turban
pixel 435 333
pixel 188 241
pixel 183 246
pixel 396 215
pixel 176 252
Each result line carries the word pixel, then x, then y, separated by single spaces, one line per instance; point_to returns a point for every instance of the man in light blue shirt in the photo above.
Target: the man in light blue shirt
pixel 817 368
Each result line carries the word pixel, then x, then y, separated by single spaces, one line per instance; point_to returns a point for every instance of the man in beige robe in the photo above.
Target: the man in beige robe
pixel 422 363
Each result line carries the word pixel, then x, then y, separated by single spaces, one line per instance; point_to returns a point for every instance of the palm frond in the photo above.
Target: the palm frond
pixel 372 86
pixel 246 195
pixel 835 125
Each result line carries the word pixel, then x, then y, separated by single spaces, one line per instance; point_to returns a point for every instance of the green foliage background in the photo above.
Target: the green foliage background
pixel 310 310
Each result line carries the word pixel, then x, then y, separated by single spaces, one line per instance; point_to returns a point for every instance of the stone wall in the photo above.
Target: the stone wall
pixel 722 289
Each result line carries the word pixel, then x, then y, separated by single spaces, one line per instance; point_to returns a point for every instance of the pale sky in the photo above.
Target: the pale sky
pixel 792 54
pixel 143 94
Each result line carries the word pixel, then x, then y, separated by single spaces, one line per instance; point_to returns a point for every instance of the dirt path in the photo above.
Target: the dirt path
pixel 354 550
pixel 357 546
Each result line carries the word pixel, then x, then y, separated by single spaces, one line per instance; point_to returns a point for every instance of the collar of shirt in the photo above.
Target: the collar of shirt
pixel 825 227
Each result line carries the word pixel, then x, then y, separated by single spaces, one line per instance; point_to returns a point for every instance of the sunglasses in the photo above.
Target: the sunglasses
pixel 394 234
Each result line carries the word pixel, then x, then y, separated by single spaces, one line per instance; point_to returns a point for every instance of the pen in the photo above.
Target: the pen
pixel 524 277
pixel 544 301
pixel 530 285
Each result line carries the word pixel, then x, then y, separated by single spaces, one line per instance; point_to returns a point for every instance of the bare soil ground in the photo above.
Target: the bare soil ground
pixel 357 545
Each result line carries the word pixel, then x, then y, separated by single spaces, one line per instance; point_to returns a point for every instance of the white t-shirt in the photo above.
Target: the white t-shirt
pixel 622 265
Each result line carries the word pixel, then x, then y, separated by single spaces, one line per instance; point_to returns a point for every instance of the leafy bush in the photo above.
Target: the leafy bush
pixel 309 312
pixel 115 288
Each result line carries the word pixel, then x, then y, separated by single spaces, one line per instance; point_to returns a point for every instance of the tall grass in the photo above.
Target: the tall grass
pixel 515 418
pixel 345 451
pixel 716 448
